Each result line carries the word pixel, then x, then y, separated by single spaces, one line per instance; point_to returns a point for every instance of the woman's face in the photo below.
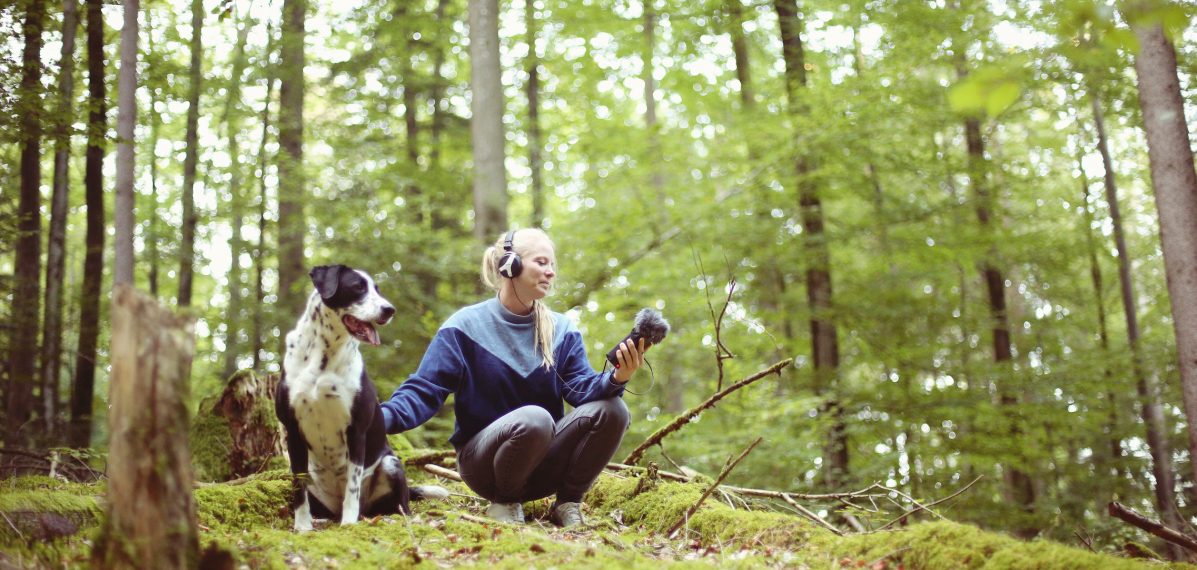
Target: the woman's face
pixel 540 268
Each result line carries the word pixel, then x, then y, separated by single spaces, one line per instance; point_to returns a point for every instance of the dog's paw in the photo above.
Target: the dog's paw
pixel 302 527
pixel 429 492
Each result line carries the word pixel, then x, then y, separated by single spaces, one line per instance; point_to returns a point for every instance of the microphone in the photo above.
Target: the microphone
pixel 650 326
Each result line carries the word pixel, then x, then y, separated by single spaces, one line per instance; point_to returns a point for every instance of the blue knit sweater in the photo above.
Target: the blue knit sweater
pixel 487 356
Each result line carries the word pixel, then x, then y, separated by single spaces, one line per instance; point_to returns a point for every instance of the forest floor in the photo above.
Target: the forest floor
pixel 627 520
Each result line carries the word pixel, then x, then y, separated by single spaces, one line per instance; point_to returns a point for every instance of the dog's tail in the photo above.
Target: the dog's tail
pixel 423 492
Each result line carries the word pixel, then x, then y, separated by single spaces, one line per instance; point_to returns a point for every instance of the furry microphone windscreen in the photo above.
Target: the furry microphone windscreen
pixel 649 325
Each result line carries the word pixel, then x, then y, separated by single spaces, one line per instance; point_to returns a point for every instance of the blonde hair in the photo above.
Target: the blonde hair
pixel 542 316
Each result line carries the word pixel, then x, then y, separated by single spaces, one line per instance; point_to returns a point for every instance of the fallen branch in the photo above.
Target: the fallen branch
pixel 638 453
pixel 722 475
pixel 433 457
pixel 1132 517
pixel 441 472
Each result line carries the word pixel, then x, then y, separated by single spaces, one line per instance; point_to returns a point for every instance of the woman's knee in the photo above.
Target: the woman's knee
pixel 533 422
pixel 612 412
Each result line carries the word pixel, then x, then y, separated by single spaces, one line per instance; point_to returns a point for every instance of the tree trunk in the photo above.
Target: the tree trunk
pixel 191 138
pixel 83 385
pixel 291 192
pixel 1018 483
pixel 1175 185
pixel 735 13
pixel 535 161
pixel 260 250
pixel 151 520
pixel 648 57
pixel 27 270
pixel 59 202
pixel 152 216
pixel 824 341
pixel 1113 465
pixel 126 118
pixel 232 346
pixel 1153 417
pixel 486 122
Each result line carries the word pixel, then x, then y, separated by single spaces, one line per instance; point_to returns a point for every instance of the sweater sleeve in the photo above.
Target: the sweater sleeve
pixel 580 383
pixel 417 399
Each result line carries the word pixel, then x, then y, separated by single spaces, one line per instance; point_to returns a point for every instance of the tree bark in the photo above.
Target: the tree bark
pixel 232 345
pixel 59 203
pixel 535 161
pixel 735 13
pixel 126 118
pixel 191 138
pixel 1175 185
pixel 26 299
pixel 151 520
pixel 1018 483
pixel 486 122
pixel 260 251
pixel 824 341
pixel 152 217
pixel 291 192
pixel 1153 417
pixel 83 386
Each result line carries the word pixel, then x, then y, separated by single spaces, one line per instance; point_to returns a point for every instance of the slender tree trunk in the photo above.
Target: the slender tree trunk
pixel 824 341
pixel 657 178
pixel 126 118
pixel 232 122
pixel 1019 484
pixel 191 138
pixel 438 95
pixel 59 202
pixel 260 250
pixel 735 13
pixel 486 122
pixel 83 387
pixel 291 184
pixel 1175 184
pixel 1153 417
pixel 1114 443
pixel 535 162
pixel 152 217
pixel 27 269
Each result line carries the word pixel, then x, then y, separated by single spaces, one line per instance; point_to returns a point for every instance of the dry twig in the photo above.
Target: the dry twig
pixel 928 506
pixel 722 475
pixel 636 454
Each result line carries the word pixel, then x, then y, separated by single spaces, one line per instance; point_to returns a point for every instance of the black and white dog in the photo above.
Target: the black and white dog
pixel 336 439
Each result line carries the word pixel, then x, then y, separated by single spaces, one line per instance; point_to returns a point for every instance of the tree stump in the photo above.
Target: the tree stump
pixel 237 433
pixel 151 520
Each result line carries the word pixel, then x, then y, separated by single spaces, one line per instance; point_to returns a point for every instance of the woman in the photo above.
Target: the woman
pixel 510 361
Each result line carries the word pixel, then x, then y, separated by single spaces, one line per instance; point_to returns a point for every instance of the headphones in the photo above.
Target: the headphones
pixel 510 265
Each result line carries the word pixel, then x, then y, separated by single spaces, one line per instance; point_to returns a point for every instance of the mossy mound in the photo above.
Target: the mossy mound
pixel 626 524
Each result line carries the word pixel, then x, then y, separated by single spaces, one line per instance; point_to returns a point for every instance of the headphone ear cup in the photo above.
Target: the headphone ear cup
pixel 510 265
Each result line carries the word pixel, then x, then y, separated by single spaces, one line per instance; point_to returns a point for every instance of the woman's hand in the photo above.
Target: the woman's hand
pixel 630 357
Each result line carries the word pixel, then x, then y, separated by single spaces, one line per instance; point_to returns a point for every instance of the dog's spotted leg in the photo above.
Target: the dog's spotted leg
pixel 301 506
pixel 353 495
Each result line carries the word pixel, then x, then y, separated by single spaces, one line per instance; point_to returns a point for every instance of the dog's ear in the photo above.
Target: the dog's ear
pixel 326 278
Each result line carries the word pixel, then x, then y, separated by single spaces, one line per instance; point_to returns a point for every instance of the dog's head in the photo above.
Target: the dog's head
pixel 354 297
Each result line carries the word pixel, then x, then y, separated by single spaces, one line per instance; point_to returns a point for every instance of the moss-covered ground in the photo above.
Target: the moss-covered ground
pixel 626 530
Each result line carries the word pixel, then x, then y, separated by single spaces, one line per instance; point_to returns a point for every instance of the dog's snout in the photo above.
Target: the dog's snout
pixel 387 312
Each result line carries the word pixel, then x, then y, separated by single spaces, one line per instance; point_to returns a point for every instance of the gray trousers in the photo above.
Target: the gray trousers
pixel 525 455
